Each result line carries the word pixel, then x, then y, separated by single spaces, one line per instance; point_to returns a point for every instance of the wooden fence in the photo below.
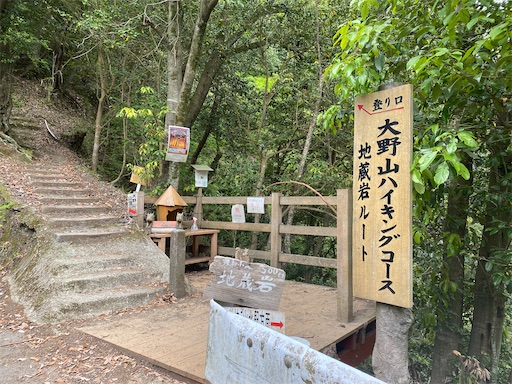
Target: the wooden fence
pixel 342 232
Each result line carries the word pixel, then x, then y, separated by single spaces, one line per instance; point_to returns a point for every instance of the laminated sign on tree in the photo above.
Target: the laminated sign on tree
pixel 382 218
pixel 178 144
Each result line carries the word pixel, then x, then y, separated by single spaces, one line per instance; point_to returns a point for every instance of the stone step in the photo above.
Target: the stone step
pixel 24 121
pixel 68 200
pixel 24 138
pixel 47 172
pixel 56 184
pixel 48 177
pixel 74 210
pixel 93 304
pixel 83 222
pixel 66 266
pixel 91 262
pixel 90 235
pixel 107 279
pixel 63 192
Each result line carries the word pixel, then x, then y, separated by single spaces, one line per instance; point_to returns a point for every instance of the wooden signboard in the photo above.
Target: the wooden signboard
pixel 252 285
pixel 382 197
pixel 137 176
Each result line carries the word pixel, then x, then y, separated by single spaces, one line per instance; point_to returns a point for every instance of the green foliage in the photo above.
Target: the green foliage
pixel 149 117
pixel 3 210
pixel 22 35
pixel 458 60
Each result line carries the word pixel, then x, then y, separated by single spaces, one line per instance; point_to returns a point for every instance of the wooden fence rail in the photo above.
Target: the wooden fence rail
pixel 342 232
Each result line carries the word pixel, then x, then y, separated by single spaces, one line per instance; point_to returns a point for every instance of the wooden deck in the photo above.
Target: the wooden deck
pixel 174 336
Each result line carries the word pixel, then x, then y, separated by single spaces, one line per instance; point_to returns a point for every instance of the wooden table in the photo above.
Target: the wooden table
pixel 161 238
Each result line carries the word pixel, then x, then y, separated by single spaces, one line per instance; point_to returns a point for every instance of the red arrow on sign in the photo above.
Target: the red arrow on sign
pixel 274 324
pixel 361 107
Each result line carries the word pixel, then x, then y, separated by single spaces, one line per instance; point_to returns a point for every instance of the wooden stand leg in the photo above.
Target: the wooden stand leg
pixel 213 247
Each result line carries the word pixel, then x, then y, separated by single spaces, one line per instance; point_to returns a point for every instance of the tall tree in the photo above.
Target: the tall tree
pixel 458 61
pixel 24 45
pixel 192 64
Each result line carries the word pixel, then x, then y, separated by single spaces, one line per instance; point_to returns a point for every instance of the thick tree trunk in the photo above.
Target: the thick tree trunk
pixel 390 358
pixel 449 316
pixel 390 355
pixel 174 81
pixel 203 87
pixel 489 303
pixel 488 320
pixel 205 10
pixel 179 83
pixel 57 67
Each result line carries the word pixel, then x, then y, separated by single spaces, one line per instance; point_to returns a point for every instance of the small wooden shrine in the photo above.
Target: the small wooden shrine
pixel 169 204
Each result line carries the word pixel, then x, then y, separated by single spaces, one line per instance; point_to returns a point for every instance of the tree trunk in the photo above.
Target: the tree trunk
pixel 57 67
pixel 212 122
pixel 174 81
pixel 488 320
pixel 390 358
pixel 490 301
pixel 391 355
pixel 205 10
pixel 180 84
pixel 311 129
pixel 99 110
pixel 203 87
pixel 5 93
pixel 449 316
pixel 5 77
pixel 259 185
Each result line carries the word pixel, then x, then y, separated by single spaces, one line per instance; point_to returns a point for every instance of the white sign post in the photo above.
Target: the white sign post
pixel 238 214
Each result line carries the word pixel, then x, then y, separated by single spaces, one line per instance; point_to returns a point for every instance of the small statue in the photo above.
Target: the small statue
pixel 194 226
pixel 179 220
pixel 242 255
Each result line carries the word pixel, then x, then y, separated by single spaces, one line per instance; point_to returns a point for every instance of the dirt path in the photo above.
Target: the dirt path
pixel 58 353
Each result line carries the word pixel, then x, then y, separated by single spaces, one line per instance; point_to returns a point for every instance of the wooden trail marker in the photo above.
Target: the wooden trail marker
pixel 382 197
pixel 252 285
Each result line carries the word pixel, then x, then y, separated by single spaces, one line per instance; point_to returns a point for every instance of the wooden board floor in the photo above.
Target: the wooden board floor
pixel 174 336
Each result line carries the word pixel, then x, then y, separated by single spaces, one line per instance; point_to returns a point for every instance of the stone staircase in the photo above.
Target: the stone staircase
pixel 73 212
pixel 24 129
pixel 87 261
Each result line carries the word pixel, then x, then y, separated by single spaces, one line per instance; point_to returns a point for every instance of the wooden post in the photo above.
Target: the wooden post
pixel 390 360
pixel 139 218
pixel 177 263
pixel 198 209
pixel 344 255
pixel 275 235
